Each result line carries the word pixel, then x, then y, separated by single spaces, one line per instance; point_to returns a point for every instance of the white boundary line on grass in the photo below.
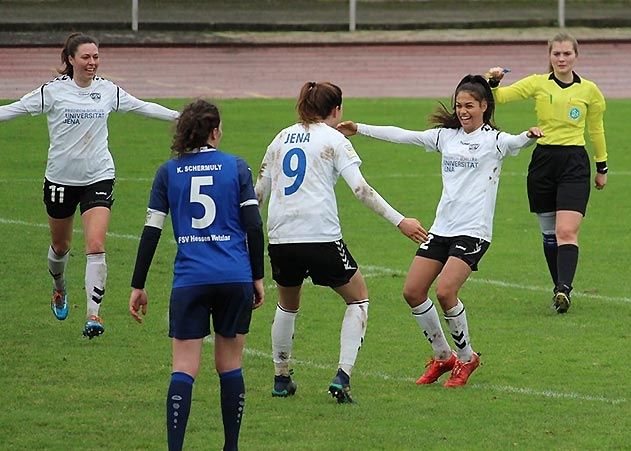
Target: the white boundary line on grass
pixel 496 388
pixel 375 271
pixel 371 176
pixel 368 271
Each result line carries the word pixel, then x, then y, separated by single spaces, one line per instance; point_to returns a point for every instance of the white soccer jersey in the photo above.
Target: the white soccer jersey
pixel 78 154
pixel 304 165
pixel 471 165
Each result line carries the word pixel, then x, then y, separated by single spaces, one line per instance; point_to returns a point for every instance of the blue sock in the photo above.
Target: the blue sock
pixel 232 404
pixel 178 408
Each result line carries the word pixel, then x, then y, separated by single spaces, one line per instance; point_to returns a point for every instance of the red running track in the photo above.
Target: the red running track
pixel 361 71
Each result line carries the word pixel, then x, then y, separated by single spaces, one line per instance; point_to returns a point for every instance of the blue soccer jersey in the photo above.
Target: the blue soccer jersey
pixel 204 192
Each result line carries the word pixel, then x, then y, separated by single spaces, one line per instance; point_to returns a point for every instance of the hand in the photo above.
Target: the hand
pixel 600 181
pixel 496 73
pixel 413 229
pixel 138 303
pixel 347 128
pixel 534 132
pixel 259 294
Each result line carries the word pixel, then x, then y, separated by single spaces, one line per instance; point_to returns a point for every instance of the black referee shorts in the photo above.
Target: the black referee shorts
pixel 558 179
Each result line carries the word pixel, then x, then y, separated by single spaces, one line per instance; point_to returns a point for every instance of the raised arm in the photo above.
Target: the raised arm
pixel 410 227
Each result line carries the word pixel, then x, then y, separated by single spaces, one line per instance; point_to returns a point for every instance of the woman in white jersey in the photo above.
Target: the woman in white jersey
pixel 79 169
pixel 472 151
pixel 299 173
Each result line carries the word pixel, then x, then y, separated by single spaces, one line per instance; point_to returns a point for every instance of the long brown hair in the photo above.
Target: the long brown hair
pixel 72 43
pixel 197 121
pixel 479 88
pixel 561 37
pixel 316 100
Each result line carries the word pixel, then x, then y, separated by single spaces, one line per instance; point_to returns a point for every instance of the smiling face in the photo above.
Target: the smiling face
pixel 470 111
pixel 562 59
pixel 85 63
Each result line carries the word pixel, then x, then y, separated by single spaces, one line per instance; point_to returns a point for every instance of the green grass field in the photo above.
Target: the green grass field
pixel 546 381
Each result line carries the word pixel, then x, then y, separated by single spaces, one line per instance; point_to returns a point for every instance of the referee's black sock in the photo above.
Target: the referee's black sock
pixel 566 263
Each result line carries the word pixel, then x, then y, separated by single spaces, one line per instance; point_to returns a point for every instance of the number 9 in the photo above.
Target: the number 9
pixel 298 172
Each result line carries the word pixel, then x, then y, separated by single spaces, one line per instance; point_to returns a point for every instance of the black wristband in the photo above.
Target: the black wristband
pixel 601 167
pixel 494 82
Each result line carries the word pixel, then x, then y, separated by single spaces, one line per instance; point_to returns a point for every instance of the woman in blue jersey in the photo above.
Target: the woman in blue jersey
pixel 80 169
pixel 298 174
pixel 218 269
pixel 559 172
pixel 472 151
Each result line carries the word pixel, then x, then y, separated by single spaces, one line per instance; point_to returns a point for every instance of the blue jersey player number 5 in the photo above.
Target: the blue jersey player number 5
pixel 210 209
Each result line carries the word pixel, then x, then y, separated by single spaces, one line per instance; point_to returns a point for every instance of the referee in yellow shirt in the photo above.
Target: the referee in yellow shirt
pixel 559 171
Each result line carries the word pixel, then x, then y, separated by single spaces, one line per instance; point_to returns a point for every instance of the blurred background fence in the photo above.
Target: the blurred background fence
pixel 306 15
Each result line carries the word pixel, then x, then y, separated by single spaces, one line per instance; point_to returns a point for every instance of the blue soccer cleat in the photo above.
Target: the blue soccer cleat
pixel 59 304
pixel 93 327
pixel 340 388
pixel 283 387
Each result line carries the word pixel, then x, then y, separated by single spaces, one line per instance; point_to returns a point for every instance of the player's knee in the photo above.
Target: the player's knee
pixel 565 234
pixel 414 296
pixel 445 294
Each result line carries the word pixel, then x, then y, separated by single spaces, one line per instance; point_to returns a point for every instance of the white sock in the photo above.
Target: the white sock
pixel 427 318
pixel 95 277
pixel 456 317
pixel 57 267
pixel 283 339
pixel 352 333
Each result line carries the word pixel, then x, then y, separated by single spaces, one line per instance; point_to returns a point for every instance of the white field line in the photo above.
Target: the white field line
pixel 378 271
pixel 367 270
pixel 495 388
pixel 371 176
pixel 375 271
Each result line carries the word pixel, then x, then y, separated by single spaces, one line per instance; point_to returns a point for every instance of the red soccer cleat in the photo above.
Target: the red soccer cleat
pixel 435 369
pixel 461 372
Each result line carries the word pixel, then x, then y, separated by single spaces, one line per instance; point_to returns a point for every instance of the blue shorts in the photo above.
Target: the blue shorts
pixel 229 305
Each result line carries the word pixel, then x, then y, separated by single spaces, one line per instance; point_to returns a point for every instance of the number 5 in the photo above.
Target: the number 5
pixel 207 202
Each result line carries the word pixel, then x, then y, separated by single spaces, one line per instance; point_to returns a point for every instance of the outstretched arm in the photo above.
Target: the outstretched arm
pixel 12 110
pixel 127 102
pixel 410 227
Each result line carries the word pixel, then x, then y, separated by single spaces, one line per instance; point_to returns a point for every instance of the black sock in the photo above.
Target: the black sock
pixel 232 405
pixel 550 250
pixel 178 408
pixel 567 263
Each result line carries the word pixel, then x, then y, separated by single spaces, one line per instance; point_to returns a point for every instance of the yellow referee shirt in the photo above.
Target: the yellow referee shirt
pixel 562 112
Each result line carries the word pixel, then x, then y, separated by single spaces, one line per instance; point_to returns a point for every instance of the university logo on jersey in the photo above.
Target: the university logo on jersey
pixel 471 146
pixel 575 113
pixel 96 96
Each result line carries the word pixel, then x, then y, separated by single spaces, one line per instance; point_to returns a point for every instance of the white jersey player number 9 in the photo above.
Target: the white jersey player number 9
pixel 207 202
pixel 298 171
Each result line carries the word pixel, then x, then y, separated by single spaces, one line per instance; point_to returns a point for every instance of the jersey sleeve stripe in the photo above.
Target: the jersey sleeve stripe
pixel 249 202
